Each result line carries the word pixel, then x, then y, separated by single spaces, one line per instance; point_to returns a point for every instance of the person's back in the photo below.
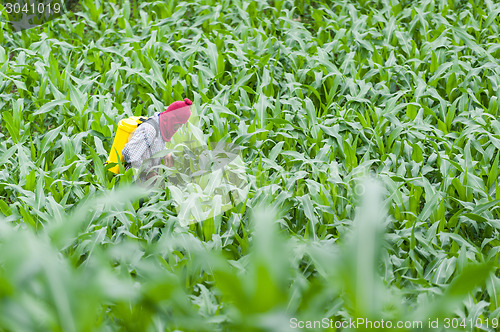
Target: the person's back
pixel 145 142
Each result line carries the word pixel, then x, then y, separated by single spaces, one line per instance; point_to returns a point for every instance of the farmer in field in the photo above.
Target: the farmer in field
pixel 150 137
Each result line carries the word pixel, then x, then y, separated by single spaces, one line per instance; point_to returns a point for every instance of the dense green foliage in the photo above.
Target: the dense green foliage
pixel 319 95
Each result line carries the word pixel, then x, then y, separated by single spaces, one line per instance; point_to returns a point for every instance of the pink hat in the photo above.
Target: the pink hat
pixel 177 113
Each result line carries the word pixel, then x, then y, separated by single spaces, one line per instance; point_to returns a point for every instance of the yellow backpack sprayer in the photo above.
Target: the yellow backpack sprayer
pixel 126 128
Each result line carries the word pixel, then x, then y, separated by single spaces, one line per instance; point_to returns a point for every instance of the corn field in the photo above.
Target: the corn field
pixel 367 132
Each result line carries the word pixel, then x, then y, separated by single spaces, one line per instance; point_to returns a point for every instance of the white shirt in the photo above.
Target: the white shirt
pixel 144 143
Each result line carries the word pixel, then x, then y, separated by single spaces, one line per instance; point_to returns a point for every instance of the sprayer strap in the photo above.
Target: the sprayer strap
pixel 152 122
